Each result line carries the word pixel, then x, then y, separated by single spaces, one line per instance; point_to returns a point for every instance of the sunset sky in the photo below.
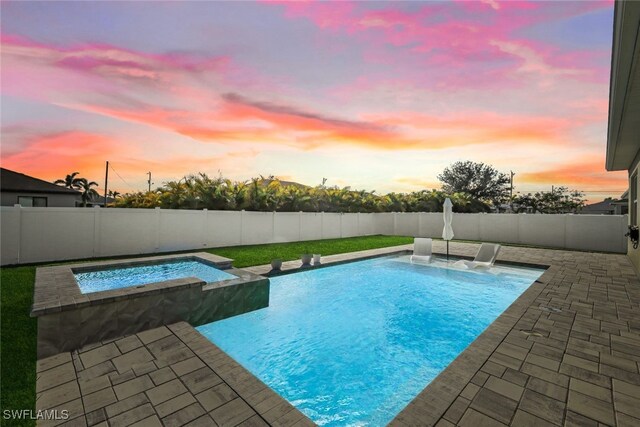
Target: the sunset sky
pixel 376 95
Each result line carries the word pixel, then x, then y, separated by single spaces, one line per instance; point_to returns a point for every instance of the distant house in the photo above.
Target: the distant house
pixel 266 181
pixel 608 206
pixel 99 201
pixel 18 188
pixel 622 204
pixel 623 143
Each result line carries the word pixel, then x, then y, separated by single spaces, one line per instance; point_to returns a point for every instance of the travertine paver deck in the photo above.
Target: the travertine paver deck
pixel 567 352
pixel 169 376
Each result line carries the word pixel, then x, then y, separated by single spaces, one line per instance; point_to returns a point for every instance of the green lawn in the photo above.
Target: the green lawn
pixel 18 342
pixel 18 333
pixel 245 256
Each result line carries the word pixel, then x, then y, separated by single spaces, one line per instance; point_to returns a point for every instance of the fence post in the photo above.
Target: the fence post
pixel 96 230
pixel 205 226
pixel 158 224
pixel 395 223
pixel 519 241
pixel 564 217
pixel 273 226
pixel 20 233
pixel 299 226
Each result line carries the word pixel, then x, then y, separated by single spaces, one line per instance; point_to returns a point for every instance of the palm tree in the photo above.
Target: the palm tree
pixel 237 194
pixel 70 181
pixel 294 199
pixel 88 193
pixel 174 195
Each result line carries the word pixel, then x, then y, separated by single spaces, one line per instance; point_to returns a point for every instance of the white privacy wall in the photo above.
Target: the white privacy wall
pixel 582 232
pixel 49 234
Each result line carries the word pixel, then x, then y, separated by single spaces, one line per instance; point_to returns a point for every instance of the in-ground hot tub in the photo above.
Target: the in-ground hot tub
pixel 99 279
pixel 78 304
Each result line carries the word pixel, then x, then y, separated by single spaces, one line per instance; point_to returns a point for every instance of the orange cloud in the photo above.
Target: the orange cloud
pixel 473 127
pixel 238 119
pixel 234 120
pixel 589 172
pixel 51 156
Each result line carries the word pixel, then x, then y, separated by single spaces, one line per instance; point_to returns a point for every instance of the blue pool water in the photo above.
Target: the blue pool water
pixel 355 343
pixel 116 278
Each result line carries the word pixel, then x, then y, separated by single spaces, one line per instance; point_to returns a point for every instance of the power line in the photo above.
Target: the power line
pixel 116 172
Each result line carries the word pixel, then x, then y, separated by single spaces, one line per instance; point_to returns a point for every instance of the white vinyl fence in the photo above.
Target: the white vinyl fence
pixel 32 235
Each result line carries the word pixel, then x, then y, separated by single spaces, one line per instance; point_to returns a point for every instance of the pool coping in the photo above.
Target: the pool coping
pixel 295 266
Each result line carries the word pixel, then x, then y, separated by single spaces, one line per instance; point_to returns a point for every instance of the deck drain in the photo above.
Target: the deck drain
pixel 531 333
pixel 550 309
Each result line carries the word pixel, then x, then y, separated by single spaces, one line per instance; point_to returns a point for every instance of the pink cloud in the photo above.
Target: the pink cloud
pixel 458 45
pixel 106 74
pixel 102 58
pixel 323 14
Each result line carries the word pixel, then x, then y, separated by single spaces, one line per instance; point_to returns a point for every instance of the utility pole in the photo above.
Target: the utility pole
pixel 106 182
pixel 511 190
pixel 149 181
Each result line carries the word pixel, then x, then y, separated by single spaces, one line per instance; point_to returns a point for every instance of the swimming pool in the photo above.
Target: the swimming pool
pixel 353 344
pixel 123 277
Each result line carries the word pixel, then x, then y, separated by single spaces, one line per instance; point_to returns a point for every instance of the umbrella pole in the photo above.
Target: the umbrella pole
pixel 447 250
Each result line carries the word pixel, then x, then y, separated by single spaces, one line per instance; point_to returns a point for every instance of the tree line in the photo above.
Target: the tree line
pixel 472 188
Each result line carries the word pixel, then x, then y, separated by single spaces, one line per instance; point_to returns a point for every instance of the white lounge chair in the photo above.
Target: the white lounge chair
pixel 485 257
pixel 421 249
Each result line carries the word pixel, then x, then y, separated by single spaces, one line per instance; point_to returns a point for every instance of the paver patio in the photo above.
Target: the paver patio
pixel 170 376
pixel 567 352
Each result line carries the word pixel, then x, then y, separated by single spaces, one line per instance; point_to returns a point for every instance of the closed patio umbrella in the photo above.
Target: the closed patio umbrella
pixel 447 232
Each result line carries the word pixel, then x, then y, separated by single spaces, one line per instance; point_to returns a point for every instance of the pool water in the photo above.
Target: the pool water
pixel 116 278
pixel 353 344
